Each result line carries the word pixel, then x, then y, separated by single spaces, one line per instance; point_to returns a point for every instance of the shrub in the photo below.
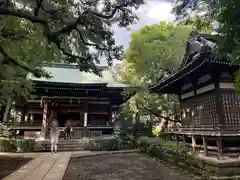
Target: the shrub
pixel 6 145
pixel 4 130
pixel 170 152
pixel 109 144
pixel 10 145
pixel 26 145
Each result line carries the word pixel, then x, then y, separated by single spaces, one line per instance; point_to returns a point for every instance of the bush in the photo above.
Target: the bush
pixel 102 144
pixel 109 143
pixel 9 145
pixel 24 145
pixel 6 145
pixel 168 151
pixel 4 130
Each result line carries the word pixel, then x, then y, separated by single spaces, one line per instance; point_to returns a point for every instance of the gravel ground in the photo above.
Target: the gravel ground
pixel 9 164
pixel 130 166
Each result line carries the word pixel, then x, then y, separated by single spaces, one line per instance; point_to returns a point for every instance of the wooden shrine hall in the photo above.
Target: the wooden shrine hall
pixel 86 100
pixel 210 107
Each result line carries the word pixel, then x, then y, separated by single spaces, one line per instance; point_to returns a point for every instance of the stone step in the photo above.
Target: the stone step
pixel 63 145
pixel 59 149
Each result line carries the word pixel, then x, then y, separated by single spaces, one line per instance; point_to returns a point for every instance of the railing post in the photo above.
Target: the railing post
pixel 220 148
pixel 205 146
pixel 194 143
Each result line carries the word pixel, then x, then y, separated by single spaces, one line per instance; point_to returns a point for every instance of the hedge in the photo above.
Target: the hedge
pixel 13 145
pixel 108 144
pixel 170 152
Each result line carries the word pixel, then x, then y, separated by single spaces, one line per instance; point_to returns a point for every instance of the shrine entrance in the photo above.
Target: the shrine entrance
pixel 75 118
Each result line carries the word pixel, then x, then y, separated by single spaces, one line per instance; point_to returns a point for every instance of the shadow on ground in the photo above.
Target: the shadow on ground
pixel 130 166
pixel 9 164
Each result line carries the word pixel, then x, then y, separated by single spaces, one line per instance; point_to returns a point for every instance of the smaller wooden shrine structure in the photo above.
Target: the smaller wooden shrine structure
pixel 210 107
pixel 87 100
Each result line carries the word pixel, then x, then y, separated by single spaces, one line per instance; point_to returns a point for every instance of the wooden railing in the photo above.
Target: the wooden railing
pixel 23 124
pixel 217 130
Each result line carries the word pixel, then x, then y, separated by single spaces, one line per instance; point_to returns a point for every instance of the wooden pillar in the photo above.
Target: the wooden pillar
pixel 176 136
pixel 184 141
pixel 23 114
pixel 219 105
pixel 194 143
pixel 86 132
pixel 109 120
pixel 220 148
pixel 205 148
pixel 44 121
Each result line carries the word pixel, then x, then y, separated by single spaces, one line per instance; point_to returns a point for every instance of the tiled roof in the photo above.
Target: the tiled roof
pixel 67 73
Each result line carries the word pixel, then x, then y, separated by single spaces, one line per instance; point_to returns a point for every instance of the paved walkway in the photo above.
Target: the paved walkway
pixel 43 167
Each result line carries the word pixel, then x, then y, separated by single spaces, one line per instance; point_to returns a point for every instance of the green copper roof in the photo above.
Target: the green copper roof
pixel 65 73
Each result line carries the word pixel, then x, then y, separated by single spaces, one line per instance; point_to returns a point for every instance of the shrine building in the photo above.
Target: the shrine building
pixel 87 100
pixel 210 106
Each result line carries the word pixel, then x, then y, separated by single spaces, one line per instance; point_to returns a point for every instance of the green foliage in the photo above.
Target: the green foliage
pixel 73 31
pixel 224 13
pixel 26 145
pixel 34 31
pixel 170 152
pixel 156 132
pixel 9 145
pixel 4 133
pixel 154 52
pixel 108 144
pixel 123 127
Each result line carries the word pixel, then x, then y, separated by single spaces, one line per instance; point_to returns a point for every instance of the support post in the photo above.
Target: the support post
pixel 220 148
pixel 205 148
pixel 194 143
pixel 176 136
pixel 44 121
pixel 109 120
pixel 184 141
pixel 86 132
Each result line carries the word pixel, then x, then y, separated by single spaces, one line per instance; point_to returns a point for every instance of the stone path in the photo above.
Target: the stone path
pixel 43 167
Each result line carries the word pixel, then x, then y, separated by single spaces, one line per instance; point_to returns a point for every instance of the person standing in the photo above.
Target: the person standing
pixel 68 130
pixel 54 136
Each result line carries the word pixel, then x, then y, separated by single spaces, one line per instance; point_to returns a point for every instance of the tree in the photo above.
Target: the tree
pixel 33 31
pixel 76 31
pixel 154 52
pixel 225 14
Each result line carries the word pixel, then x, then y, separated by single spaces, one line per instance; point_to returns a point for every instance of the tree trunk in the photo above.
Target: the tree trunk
pixel 7 110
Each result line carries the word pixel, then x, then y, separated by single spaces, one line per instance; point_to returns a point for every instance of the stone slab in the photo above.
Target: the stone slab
pixel 43 167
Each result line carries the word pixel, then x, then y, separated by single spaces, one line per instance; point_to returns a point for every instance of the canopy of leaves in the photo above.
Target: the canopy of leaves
pixel 224 13
pixel 154 52
pixel 76 31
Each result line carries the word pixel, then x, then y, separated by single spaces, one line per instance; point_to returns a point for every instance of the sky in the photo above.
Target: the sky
pixel 151 13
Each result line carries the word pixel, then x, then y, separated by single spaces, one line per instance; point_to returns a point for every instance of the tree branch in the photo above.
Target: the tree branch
pixel 21 14
pixel 90 44
pixel 114 11
pixel 16 63
pixel 38 6
pixel 157 115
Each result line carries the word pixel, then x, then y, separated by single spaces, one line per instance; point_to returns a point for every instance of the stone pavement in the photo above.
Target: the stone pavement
pixel 43 167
